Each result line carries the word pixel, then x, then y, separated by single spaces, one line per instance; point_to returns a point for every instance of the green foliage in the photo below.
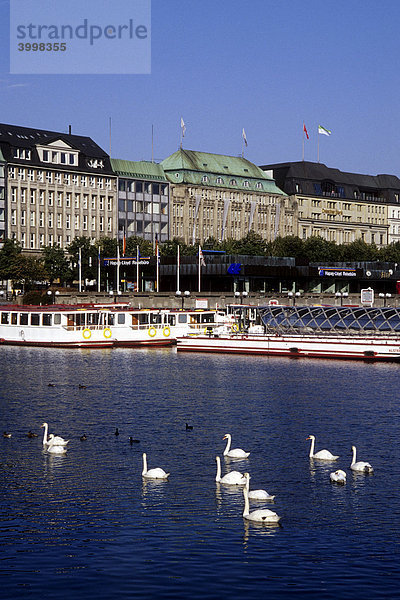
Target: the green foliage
pixel 145 247
pixel 10 251
pixel 55 263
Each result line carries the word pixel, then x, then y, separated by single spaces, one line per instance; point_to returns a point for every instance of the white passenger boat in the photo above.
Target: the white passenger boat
pixel 310 331
pixel 99 325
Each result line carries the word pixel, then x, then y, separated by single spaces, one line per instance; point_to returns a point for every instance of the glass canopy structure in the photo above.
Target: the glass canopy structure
pixel 330 319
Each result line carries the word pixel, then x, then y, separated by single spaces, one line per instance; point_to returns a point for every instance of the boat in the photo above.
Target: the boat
pixel 365 333
pixel 95 325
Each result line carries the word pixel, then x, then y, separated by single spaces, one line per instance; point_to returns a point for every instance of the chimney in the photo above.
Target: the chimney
pixel 69 129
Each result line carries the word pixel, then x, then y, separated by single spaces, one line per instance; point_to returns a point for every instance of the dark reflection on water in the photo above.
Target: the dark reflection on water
pixel 86 523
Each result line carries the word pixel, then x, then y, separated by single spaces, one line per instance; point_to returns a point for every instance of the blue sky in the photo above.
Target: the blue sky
pixel 223 65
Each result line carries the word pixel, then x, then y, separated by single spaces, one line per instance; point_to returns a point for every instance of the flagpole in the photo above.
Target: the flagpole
pixel 178 266
pixel 80 268
pixel 157 269
pixel 137 268
pixel 318 145
pixel 98 272
pixel 199 270
pixel 303 145
pixel 118 265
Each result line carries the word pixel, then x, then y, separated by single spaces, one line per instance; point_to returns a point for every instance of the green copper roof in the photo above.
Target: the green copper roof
pixel 217 170
pixel 2 159
pixel 141 169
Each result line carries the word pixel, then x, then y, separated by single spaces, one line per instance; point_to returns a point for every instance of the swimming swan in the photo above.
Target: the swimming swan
pixel 53 447
pixel 363 467
pixel 57 440
pixel 156 473
pixel 256 494
pixel 232 478
pixel 236 452
pixel 338 476
pixel 322 454
pixel 263 515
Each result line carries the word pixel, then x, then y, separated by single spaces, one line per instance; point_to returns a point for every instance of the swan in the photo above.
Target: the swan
pixel 256 494
pixel 263 515
pixel 156 473
pixel 236 452
pixel 58 441
pixel 338 476
pixel 232 478
pixel 321 454
pixel 53 447
pixel 363 467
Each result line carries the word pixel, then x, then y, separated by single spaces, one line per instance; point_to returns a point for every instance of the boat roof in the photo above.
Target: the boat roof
pixel 118 307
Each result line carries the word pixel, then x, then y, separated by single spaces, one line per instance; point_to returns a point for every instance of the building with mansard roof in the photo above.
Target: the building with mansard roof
pixel 214 195
pixel 56 186
pixel 340 206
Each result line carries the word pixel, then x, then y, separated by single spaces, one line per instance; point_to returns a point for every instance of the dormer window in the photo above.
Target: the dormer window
pixel 204 179
pixel 233 182
pixel 246 183
pixel 259 185
pixel 220 180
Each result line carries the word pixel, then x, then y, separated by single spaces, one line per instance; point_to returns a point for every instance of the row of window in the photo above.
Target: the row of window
pixel 51 217
pixel 221 181
pixel 60 197
pixel 154 208
pixel 59 178
pixel 143 187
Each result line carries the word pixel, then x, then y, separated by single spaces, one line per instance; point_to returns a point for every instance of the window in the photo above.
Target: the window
pixel 93 202
pixel 21 174
pixel 101 223
pixel 51 239
pixel 68 221
pixel 59 220
pixel 23 195
pixel 100 183
pixel 204 179
pixel 41 197
pixel 77 200
pixel 41 219
pixel 23 217
pixel 40 176
pixel 93 223
pixel 31 174
pixel 23 239
pixel 84 180
pixel 68 199
pixel 13 217
pixel 220 180
pixel 75 179
pixel 92 181
pixel 49 176
pixel 32 219
pixel 63 158
pixel 32 240
pixel 109 224
pixel 76 222
pixel 50 198
pixel 101 203
pixel 67 179
pixel 57 177
pixel 85 224
pixel 46 156
pixel 108 183
pixel 41 240
pixel 246 183
pixel 33 196
pixel 50 221
pixel 14 194
pixel 11 172
pixel 85 200
pixel 59 199
pixel 109 203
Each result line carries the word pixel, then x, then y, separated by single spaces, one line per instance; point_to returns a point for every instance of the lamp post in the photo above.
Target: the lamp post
pixel 241 295
pixel 384 297
pixel 186 294
pixel 292 296
pixel 53 294
pixel 341 295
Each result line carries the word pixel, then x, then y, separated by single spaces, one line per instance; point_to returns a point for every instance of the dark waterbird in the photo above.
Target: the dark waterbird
pixel 83 437
pixel 30 434
pixel 133 441
pixel 116 431
pixel 6 434
pixel 189 427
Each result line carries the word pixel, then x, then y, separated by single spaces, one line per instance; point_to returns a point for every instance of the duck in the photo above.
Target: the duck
pixel 338 476
pixel 263 515
pixel 189 427
pixel 361 467
pixel 236 452
pixel 133 441
pixel 156 473
pixel 53 447
pixel 82 387
pixel 6 434
pixel 231 478
pixel 83 437
pixel 321 454
pixel 30 434
pixel 59 441
pixel 256 494
pixel 116 431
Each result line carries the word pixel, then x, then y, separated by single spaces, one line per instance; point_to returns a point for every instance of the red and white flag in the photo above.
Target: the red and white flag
pixel 305 131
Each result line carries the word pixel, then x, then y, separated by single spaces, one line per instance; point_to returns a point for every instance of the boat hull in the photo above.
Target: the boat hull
pixel 339 347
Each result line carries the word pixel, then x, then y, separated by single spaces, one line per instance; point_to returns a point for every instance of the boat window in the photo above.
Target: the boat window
pixel 171 320
pixel 23 319
pixel 70 320
pixel 92 318
pixel 208 318
pixel 47 319
pixel 144 319
pixel 5 318
pixel 111 319
pixel 57 319
pixel 182 318
pixel 121 319
pixel 155 318
pixel 134 319
pixel 14 318
pixel 35 319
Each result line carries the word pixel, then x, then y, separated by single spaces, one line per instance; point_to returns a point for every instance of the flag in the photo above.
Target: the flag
pixel 183 127
pixel 244 136
pixel 124 244
pixel 305 131
pixel 323 130
pixel 201 257
pixel 99 258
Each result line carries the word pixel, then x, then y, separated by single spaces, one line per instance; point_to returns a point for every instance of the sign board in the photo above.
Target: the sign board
pixel 333 272
pixel 202 303
pixel 367 297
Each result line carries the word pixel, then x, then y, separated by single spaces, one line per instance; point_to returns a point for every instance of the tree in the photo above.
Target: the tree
pixel 27 271
pixel 316 249
pixel 10 251
pixel 89 254
pixel 359 251
pixel 287 246
pixel 55 263
pixel 145 246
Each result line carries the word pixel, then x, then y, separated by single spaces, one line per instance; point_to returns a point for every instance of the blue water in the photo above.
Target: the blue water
pixel 86 524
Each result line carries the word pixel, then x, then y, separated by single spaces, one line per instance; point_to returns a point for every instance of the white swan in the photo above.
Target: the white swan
pixel 338 476
pixel 363 467
pixel 156 473
pixel 263 515
pixel 236 452
pixel 232 478
pixel 322 454
pixel 57 440
pixel 53 447
pixel 256 494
